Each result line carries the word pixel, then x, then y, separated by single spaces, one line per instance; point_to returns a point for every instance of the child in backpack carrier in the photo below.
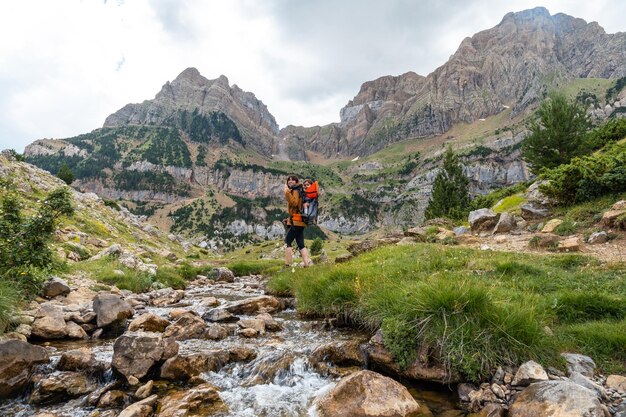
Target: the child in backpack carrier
pixel 310 204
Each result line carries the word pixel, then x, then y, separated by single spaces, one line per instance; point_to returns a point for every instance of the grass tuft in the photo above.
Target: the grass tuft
pixel 9 302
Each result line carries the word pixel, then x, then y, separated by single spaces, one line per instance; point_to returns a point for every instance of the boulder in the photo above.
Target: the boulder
pixel 145 390
pixel 366 394
pixel 61 386
pixel 344 353
pixel 74 331
pixel 579 363
pixel 505 224
pixel 202 400
pixel 271 324
pixel 49 327
pixel 428 370
pixel 241 354
pixel 556 399
pixel 598 238
pixel 551 225
pixel 528 373
pixel 77 360
pixel 248 332
pixel 544 240
pixel 362 246
pixel 531 211
pixel 583 381
pixel 148 322
pixel 183 367
pixel 112 250
pixel 210 302
pixel 571 244
pixel 113 398
pixel 255 305
pixel 616 382
pixel 482 219
pixel 490 410
pixel 257 325
pixel 418 233
pixel 110 309
pixel 142 408
pixel 223 275
pixel 219 315
pixel 215 332
pixel 55 286
pixel 165 296
pixel 18 360
pixel 135 353
pixel 186 326
pixel 460 230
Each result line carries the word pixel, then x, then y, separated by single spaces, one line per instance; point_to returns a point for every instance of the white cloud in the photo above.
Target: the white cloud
pixel 66 65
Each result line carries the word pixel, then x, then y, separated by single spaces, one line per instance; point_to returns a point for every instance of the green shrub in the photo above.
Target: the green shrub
pixel 317 246
pixel 566 228
pixel 576 307
pixel 557 134
pixel 589 177
pixel 65 174
pixel 112 204
pixel 25 257
pixel 611 131
pixel 450 193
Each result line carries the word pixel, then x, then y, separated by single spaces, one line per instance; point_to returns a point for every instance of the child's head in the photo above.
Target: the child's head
pixel 307 183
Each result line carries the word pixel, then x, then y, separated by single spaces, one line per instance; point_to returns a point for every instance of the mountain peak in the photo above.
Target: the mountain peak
pixel 529 14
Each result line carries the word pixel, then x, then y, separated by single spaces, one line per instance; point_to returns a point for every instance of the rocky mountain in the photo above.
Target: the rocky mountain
pixel 207 159
pixel 511 65
pixel 191 92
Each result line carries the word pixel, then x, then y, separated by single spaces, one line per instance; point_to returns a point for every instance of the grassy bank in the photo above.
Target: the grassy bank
pixel 474 309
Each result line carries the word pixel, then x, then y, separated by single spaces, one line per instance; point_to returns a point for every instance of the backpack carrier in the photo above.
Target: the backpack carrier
pixel 310 195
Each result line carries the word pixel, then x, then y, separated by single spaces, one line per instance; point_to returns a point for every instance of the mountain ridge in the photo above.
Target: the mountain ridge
pixel 204 141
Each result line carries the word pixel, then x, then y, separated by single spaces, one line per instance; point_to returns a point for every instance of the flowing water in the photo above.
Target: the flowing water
pixel 279 382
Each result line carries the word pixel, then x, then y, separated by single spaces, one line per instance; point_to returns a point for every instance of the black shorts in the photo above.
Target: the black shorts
pixel 297 233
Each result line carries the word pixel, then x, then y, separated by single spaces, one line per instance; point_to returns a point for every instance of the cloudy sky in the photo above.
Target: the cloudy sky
pixel 67 64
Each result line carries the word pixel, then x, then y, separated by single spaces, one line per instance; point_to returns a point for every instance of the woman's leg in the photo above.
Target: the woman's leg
pixel 288 255
pixel 300 242
pixel 305 257
pixel 291 235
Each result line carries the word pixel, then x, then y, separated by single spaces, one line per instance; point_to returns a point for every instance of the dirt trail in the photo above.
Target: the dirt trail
pixel 613 251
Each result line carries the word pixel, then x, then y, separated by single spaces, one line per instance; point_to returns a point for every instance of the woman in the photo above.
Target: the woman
pixel 295 225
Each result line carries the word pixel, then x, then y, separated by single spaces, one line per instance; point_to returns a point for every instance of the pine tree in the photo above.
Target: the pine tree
pixel 66 174
pixel 558 134
pixel 450 195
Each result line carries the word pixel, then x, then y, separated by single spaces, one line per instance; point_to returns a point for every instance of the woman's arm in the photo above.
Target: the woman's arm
pixel 293 199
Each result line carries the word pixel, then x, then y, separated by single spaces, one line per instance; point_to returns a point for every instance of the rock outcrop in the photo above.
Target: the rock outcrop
pixel 18 360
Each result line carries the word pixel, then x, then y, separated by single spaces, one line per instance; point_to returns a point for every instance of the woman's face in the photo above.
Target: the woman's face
pixel 291 182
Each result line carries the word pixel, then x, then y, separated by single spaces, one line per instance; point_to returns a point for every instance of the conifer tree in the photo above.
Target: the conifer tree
pixel 558 134
pixel 66 174
pixel 450 195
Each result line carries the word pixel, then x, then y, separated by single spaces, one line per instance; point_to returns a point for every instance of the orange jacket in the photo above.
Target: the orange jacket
pixel 311 191
pixel 294 207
